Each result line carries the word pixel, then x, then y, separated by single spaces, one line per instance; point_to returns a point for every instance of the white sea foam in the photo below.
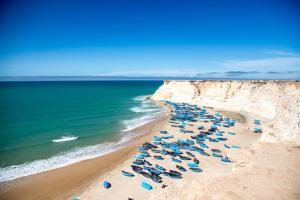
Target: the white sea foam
pixel 140 109
pixel 59 160
pixel 149 110
pixel 140 98
pixel 137 122
pixel 65 139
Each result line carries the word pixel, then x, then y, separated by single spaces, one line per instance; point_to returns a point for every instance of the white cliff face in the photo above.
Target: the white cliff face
pixel 276 101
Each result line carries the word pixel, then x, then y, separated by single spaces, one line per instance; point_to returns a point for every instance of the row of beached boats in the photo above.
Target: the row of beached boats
pixel 183 152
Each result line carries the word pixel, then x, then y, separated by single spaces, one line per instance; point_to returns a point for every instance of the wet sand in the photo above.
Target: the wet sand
pixel 65 182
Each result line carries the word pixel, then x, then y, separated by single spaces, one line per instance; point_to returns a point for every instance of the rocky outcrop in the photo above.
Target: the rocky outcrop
pixel 277 102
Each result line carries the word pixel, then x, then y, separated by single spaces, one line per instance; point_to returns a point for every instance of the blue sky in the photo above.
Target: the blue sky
pixel 150 38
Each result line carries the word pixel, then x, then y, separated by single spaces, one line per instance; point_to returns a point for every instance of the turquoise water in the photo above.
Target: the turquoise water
pixel 44 125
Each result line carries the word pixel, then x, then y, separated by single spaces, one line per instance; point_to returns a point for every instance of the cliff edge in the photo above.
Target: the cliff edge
pixel 276 102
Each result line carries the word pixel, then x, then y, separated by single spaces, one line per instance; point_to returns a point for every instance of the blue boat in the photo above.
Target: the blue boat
pixel 138 162
pixel 204 153
pixel 219 134
pixel 235 147
pixel 226 146
pixel 128 174
pixel 184 157
pixel 163 152
pixel 231 133
pixel 139 156
pixel 215 150
pixel 203 145
pixel 217 155
pixel 257 130
pixel 163 132
pixel 191 165
pixel 106 184
pixel 195 169
pixel 160 168
pixel 143 149
pixel 176 160
pixel 257 122
pixel 146 186
pixel 196 161
pixel 180 168
pixel 155 138
pixel 158 157
pixel 190 154
pixel 226 160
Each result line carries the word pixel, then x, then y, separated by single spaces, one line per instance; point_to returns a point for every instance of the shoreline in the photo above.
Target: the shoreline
pixel 253 161
pixel 65 181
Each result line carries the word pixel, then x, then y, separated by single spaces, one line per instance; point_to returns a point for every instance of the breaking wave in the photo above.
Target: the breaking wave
pixel 64 139
pixel 59 160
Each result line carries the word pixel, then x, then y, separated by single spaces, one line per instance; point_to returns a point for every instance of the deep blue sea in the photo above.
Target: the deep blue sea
pixel 45 125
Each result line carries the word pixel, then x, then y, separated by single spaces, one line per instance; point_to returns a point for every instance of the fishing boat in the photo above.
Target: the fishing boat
pixel 195 169
pixel 196 161
pixel 146 186
pixel 215 150
pixel 145 174
pixel 176 173
pixel 192 165
pixel 184 158
pixel 155 138
pixel 176 160
pixel 128 174
pixel 155 150
pixel 190 154
pixel 106 184
pixel 226 160
pixel 203 145
pixel 136 169
pixel 160 168
pixel 217 155
pixel 158 157
pixel 180 168
pixel 172 175
pixel 203 153
pixel 138 162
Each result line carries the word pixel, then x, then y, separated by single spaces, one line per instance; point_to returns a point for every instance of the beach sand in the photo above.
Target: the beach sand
pixel 258 171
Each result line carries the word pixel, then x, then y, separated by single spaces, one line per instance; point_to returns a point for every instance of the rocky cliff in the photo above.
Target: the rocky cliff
pixel 276 102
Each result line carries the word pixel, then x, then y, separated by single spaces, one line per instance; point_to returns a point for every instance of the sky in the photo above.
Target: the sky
pixel 213 38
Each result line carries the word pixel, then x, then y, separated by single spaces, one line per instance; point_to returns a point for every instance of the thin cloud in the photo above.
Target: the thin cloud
pixel 293 72
pixel 234 73
pixel 273 72
pixel 259 64
pixel 152 73
pixel 279 53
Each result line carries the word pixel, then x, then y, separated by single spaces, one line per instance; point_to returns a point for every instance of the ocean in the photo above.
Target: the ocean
pixel 45 125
